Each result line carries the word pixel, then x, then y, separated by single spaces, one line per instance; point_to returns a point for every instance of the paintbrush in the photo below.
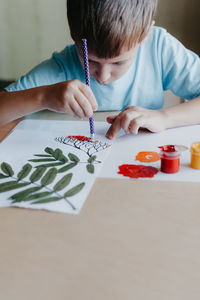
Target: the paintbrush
pixel 87 80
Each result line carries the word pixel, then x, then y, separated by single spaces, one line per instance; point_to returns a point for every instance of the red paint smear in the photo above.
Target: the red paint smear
pixel 168 148
pixel 137 171
pixel 81 138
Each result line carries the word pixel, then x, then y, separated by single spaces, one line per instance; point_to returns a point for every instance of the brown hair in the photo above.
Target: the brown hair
pixel 110 25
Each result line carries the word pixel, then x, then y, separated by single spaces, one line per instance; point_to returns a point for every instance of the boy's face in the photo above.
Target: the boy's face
pixel 106 71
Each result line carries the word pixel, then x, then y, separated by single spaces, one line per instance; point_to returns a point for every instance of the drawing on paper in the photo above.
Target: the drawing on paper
pixel 83 143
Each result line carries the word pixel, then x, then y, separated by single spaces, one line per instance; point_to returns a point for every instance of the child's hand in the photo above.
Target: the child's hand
pixel 132 118
pixel 72 97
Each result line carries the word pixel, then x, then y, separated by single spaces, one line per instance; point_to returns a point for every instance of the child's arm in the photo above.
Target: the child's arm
pixel 71 97
pixel 133 118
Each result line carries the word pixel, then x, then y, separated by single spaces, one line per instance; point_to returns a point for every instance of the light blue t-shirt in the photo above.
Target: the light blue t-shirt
pixel 162 63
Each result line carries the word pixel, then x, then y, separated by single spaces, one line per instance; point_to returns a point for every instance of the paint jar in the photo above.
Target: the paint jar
pixel 195 155
pixel 170 159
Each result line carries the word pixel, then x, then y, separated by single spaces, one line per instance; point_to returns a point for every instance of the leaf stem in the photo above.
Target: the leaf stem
pixel 48 189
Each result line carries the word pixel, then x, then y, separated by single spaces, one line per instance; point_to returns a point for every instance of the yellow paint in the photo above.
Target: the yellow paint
pixel 195 155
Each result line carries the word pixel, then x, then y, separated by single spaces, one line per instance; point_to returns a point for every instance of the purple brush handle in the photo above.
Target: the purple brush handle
pixel 87 78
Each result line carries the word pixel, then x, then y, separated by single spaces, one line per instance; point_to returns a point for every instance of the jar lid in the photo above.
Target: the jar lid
pixel 195 147
pixel 169 151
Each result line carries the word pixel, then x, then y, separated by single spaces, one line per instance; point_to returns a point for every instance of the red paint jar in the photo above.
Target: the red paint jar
pixel 170 159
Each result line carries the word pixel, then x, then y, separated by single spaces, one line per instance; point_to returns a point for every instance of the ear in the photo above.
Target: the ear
pixel 148 33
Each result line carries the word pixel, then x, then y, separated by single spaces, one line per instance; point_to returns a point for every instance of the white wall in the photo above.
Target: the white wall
pixel 30 30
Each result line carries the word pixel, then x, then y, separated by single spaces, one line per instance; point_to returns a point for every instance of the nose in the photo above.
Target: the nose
pixel 103 73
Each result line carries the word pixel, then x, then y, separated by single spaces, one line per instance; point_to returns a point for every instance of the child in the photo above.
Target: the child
pixel 131 64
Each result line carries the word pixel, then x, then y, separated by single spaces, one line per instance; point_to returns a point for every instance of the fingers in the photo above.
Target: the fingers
pixel 114 128
pixel 130 120
pixel 86 101
pixel 136 124
pixel 75 110
pixel 111 119
pixel 78 99
pixel 127 117
pixel 86 90
pixel 84 106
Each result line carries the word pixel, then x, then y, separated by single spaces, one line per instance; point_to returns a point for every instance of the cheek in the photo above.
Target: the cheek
pixel 118 71
pixel 93 69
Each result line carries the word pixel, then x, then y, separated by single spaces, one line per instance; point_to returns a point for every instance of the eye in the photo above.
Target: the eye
pixel 119 63
pixel 92 61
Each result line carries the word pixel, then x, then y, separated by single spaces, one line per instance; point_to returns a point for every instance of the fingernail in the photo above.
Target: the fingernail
pixel 109 137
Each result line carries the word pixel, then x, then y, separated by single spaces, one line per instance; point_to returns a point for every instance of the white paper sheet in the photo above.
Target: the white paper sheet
pixel 32 137
pixel 125 149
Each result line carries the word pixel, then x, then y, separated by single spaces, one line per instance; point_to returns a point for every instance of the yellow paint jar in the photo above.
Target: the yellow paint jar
pixel 195 155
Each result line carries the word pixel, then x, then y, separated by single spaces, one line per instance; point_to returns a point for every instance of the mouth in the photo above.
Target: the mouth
pixel 103 82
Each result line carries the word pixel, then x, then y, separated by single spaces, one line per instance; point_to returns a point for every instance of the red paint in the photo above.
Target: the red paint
pixel 81 138
pixel 170 159
pixel 137 171
pixel 168 148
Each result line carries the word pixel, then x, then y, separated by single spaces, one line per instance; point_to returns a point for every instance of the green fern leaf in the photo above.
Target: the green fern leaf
pixel 3 176
pixel 24 172
pixel 67 167
pixel 37 174
pixel 34 196
pixel 63 159
pixel 42 155
pixel 50 165
pixel 47 200
pixel 57 154
pixel 25 193
pixel 75 190
pixel 49 177
pixel 7 169
pixel 11 185
pixel 49 150
pixel 63 182
pixel 73 157
pixel 90 168
pixel 42 160
pixel 92 159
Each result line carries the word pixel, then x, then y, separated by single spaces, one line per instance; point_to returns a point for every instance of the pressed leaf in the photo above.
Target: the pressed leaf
pixel 25 193
pixel 3 176
pixel 49 150
pixel 63 158
pixel 75 190
pixel 49 177
pixel 7 169
pixel 11 185
pixel 24 172
pixel 73 157
pixel 92 159
pixel 37 174
pixel 90 168
pixel 67 167
pixel 42 160
pixel 42 155
pixel 63 182
pixel 7 183
pixel 50 165
pixel 57 154
pixel 47 200
pixel 37 196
